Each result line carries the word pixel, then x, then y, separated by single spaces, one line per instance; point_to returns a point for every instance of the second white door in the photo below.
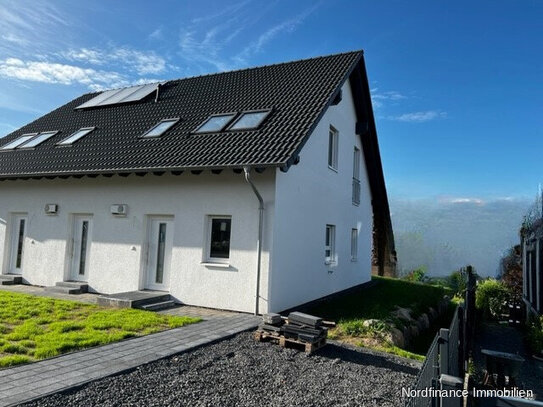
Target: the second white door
pixel 82 233
pixel 160 238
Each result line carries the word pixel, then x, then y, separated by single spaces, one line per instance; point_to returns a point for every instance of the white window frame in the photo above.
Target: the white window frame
pixel 207 257
pixel 357 162
pixel 354 244
pixel 330 236
pixel 333 147
pixel 173 121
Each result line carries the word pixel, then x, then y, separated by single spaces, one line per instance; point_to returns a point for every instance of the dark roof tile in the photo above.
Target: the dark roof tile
pixel 298 92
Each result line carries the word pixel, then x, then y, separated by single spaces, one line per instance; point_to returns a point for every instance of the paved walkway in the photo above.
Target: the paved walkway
pixel 24 383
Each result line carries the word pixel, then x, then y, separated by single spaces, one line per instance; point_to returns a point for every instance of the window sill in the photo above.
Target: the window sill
pixel 332 168
pixel 212 264
pixel 330 263
pixel 354 260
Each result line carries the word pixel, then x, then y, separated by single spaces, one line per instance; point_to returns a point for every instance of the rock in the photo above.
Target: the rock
pixel 397 337
pixel 403 313
pixel 414 331
pixel 432 314
pixel 423 322
pixel 368 323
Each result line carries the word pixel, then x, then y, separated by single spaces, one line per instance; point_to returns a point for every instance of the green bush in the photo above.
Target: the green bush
pixel 535 334
pixel 490 297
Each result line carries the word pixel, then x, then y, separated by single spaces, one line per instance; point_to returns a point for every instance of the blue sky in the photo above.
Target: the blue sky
pixel 457 86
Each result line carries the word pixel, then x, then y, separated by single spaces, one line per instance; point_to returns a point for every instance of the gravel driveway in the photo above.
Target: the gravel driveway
pixel 242 372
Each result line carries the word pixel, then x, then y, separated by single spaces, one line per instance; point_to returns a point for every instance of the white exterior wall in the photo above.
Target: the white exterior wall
pixel 310 196
pixel 117 253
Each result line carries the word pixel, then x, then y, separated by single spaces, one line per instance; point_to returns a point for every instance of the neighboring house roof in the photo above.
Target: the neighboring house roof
pixel 297 92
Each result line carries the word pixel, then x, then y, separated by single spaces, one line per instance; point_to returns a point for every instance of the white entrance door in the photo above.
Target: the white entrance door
pixel 159 252
pixel 18 234
pixel 82 233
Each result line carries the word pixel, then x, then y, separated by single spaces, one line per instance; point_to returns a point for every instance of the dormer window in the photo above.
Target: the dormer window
pixel 76 136
pixel 18 141
pixel 249 120
pixel 215 123
pixel 160 128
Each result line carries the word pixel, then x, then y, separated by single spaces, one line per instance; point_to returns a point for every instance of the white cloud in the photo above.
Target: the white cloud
pixel 156 34
pixel 419 117
pixel 462 200
pixel 47 72
pixel 287 26
pixel 139 61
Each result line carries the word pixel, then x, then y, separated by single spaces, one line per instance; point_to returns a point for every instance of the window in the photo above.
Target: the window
pixel 356 176
pixel 354 244
pixel 38 139
pixel 76 136
pixel 215 123
pixel 249 120
pixel 160 128
pixel 18 141
pixel 332 148
pixel 330 245
pixel 219 239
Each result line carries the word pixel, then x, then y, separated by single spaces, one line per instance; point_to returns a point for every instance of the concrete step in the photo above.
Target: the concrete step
pixel 63 290
pixel 132 299
pixel 83 287
pixel 10 279
pixel 157 306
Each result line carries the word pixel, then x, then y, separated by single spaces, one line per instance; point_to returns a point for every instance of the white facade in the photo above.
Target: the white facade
pixel 298 206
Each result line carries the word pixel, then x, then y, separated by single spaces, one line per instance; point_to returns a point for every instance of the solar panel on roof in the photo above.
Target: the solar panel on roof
pixel 118 96
pixel 141 93
pixel 95 101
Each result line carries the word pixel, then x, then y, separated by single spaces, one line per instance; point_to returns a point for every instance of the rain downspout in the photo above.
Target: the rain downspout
pixel 247 171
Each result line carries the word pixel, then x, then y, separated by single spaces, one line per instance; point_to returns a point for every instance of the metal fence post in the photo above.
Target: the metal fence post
pixel 444 351
pixel 452 384
pixel 462 342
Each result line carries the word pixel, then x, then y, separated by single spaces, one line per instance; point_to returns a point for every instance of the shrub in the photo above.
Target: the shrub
pixel 491 296
pixel 417 275
pixel 535 334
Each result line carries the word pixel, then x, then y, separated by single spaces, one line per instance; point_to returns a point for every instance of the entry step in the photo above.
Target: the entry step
pixel 157 306
pixel 144 299
pixel 9 279
pixel 68 287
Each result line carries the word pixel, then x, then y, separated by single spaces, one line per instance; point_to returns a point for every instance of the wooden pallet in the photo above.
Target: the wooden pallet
pixel 290 343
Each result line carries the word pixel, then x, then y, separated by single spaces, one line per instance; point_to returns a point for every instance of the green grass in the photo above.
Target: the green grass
pixel 33 328
pixel 378 302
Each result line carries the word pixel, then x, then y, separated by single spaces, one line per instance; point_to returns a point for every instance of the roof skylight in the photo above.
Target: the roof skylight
pixel 249 120
pixel 214 123
pixel 18 141
pixel 76 136
pixel 46 135
pixel 160 128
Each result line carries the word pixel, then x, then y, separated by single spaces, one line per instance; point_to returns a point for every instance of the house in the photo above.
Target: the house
pixel 531 236
pixel 252 190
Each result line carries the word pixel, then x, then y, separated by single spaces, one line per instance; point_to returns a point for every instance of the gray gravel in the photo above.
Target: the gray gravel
pixel 242 372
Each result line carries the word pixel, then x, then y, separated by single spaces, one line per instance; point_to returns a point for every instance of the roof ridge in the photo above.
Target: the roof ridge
pixel 250 68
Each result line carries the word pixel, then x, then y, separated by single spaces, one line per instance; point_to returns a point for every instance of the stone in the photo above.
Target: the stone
pixel 403 313
pixel 397 337
pixel 423 322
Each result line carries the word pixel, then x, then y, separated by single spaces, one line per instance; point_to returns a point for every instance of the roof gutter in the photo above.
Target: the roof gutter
pixel 247 171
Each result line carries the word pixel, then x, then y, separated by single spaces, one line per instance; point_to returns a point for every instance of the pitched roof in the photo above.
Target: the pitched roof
pixel 297 92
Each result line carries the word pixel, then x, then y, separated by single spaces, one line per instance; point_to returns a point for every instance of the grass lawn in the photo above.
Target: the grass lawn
pixel 33 328
pixel 377 302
